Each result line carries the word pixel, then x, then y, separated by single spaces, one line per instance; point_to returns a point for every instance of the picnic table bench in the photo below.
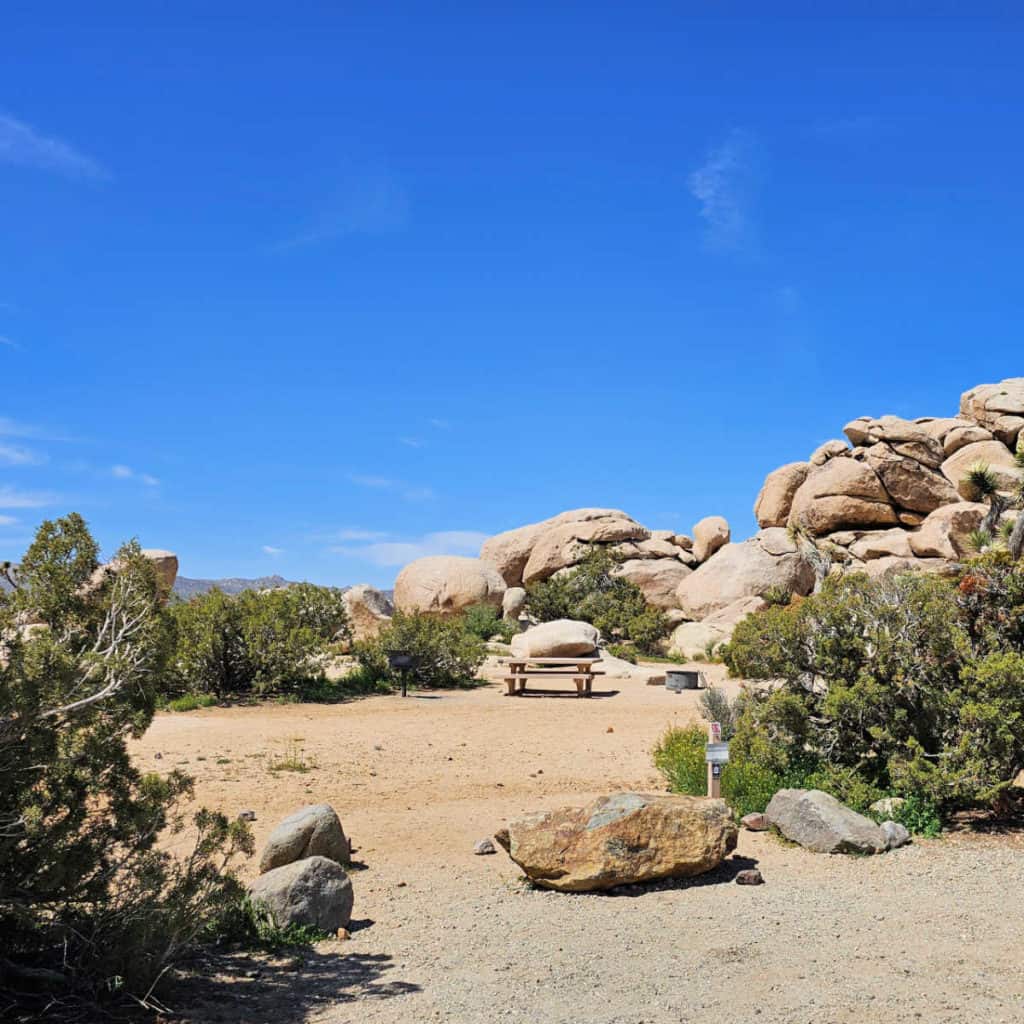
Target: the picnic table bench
pixel 522 670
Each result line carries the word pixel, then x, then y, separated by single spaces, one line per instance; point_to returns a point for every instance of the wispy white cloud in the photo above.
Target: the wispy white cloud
pixel 400 552
pixel 122 472
pixel 723 185
pixel 22 145
pixel 8 520
pixel 8 342
pixel 17 455
pixel 15 428
pixel 269 549
pixel 412 442
pixel 408 492
pixel 13 497
pixel 367 201
pixel 357 534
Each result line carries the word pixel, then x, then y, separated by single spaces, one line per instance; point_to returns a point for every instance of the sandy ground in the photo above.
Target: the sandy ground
pixel 931 932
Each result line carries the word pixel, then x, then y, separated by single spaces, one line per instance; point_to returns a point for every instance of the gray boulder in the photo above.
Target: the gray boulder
pixel 896 834
pixel 314 892
pixel 820 823
pixel 312 831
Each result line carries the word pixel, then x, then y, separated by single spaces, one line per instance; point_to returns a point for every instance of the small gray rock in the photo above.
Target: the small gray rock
pixel 312 831
pixel 896 835
pixel 246 815
pixel 820 823
pixel 483 847
pixel 749 876
pixel 315 892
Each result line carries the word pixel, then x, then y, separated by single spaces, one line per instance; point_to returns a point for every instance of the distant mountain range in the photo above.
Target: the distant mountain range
pixel 186 588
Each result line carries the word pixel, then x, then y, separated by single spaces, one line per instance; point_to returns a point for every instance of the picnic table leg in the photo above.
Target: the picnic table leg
pixel 580 684
pixel 589 684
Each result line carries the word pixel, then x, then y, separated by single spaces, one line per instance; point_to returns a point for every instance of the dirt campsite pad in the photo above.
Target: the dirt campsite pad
pixel 930 932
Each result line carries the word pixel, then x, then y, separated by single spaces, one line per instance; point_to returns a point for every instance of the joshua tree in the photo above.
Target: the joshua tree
pixel 981 483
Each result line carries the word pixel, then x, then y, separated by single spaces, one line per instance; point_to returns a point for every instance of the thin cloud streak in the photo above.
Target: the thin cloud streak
pixel 400 552
pixel 23 146
pixel 723 186
pixel 122 472
pixel 12 497
pixel 407 492
pixel 15 455
pixel 269 549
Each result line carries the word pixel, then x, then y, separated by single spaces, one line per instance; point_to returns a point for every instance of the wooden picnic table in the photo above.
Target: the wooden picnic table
pixel 522 670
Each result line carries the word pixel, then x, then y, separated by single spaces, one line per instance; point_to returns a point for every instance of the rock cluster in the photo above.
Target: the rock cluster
pixel 621 839
pixel 302 877
pixel 895 496
pixel 890 497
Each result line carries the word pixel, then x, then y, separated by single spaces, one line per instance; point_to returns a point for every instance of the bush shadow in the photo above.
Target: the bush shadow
pixel 240 987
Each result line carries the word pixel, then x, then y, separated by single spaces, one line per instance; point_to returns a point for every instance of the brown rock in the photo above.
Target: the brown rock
pixel 709 535
pixel 776 498
pixel 567 544
pixel 909 483
pixel 768 559
pixel 842 493
pixel 946 532
pixel 447 585
pixel 828 450
pixel 755 822
pixel 658 578
pixel 749 876
pixel 621 839
pixel 997 407
pixel 881 544
pixel 993 454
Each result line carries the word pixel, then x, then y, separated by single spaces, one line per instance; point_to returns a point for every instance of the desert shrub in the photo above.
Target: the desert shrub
pixel 191 702
pixel 746 785
pixel 715 706
pixel 447 653
pixel 592 593
pixel 250 924
pixel 919 816
pixel 90 900
pixel 256 641
pixel 907 685
pixel 627 652
pixel 485 621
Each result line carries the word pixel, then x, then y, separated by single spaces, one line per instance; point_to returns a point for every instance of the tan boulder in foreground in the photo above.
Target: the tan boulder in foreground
pixel 447 584
pixel 621 839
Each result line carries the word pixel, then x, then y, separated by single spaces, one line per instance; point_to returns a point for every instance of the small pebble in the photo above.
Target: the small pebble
pixel 483 847
pixel 749 876
pixel 246 815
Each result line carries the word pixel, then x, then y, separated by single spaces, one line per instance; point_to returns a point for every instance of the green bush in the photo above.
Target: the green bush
pixel 627 652
pixel 909 685
pixel 250 924
pixel 746 785
pixel 919 816
pixel 592 593
pixel 485 621
pixel 270 641
pixel 447 653
pixel 90 898
pixel 191 702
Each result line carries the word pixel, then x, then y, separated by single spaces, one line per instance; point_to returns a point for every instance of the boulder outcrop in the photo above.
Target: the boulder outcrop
pixel 621 839
pixel 767 560
pixel 447 585
pixel 658 578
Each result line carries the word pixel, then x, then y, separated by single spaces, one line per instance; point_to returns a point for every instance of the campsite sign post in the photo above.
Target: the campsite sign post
pixel 716 753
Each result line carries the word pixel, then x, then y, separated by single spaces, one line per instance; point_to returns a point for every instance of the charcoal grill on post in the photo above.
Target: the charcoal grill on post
pixel 403 663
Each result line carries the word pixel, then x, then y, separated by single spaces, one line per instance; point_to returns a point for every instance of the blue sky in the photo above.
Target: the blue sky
pixel 316 288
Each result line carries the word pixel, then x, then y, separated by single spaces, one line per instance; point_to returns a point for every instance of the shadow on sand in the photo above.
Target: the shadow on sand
pixel 238 988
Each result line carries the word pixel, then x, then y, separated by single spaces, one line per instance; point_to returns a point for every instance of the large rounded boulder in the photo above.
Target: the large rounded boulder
pixel 561 638
pixel 312 831
pixel 841 494
pixel 312 893
pixel 621 839
pixel 776 497
pixel 447 585
pixel 657 578
pixel 768 560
